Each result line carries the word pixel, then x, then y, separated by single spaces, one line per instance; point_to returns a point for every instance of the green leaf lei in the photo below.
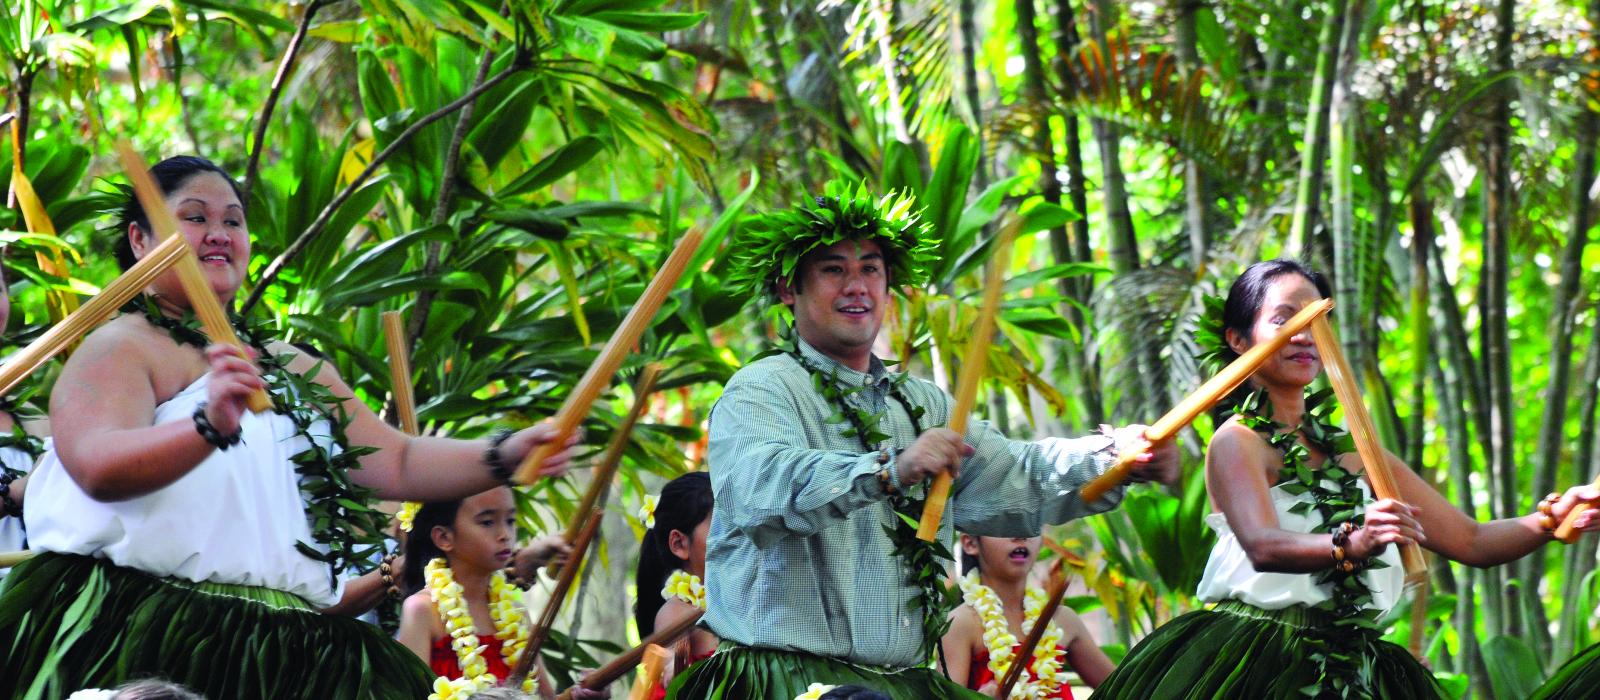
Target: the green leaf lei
pixel 339 510
pixel 1338 649
pixel 922 559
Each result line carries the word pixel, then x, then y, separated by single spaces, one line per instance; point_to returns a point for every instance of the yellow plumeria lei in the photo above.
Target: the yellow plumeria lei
pixel 1045 676
pixel 814 691
pixel 407 514
pixel 685 587
pixel 510 627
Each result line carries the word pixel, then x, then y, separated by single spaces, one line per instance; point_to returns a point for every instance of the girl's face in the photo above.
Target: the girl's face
pixel 211 217
pixel 1298 363
pixel 483 532
pixel 1006 558
pixel 691 547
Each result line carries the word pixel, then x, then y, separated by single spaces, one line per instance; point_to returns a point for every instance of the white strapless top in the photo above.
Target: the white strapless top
pixel 1230 576
pixel 234 518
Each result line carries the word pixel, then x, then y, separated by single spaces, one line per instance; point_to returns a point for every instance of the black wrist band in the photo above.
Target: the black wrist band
pixel 209 432
pixel 492 457
pixel 8 505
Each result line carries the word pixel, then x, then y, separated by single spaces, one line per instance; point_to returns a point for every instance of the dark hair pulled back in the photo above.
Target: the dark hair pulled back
pixel 169 174
pixel 420 548
pixel 685 503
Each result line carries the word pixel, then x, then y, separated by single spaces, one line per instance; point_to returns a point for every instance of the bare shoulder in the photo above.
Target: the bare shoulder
pixel 965 623
pixel 1236 450
pixel 418 609
pixel 673 611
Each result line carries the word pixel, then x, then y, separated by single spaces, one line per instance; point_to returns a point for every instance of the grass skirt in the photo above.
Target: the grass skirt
pixel 1240 651
pixel 69 622
pixel 1578 678
pixel 748 673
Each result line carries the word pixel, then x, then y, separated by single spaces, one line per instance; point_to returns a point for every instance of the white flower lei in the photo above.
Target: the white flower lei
pixel 510 627
pixel 815 691
pixel 685 587
pixel 999 640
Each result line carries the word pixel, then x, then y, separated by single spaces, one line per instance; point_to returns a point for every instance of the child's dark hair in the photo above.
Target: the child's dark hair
pixel 854 692
pixel 685 502
pixel 154 689
pixel 169 174
pixel 420 548
pixel 969 562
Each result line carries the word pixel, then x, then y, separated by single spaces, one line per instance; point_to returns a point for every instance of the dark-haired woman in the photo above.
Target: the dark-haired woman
pixel 672 566
pixel 998 610
pixel 1302 547
pixel 184 536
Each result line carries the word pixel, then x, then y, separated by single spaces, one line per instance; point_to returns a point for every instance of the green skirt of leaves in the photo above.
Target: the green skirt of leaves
pixel 1237 650
pixel 70 622
pixel 1579 677
pixel 748 673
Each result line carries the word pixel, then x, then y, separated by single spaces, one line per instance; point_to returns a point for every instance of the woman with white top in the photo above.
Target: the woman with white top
pixel 185 537
pixel 1305 558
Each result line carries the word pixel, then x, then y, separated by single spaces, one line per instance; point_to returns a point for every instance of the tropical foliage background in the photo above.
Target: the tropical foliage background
pixel 511 174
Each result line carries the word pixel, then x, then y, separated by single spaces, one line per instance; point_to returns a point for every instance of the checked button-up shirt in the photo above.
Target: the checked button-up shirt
pixel 797 557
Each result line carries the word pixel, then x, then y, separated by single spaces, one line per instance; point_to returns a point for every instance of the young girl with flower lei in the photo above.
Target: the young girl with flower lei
pixel 465 617
pixel 672 562
pixel 998 612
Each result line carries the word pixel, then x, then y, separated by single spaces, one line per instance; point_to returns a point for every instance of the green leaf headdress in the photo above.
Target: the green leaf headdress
pixel 769 247
pixel 1209 336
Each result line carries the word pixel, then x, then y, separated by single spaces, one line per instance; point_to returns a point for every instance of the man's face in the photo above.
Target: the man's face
pixel 839 299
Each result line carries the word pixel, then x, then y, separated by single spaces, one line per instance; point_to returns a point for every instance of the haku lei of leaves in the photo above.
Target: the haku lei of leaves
pixel 1339 649
pixel 770 246
pixel 340 512
pixel 924 560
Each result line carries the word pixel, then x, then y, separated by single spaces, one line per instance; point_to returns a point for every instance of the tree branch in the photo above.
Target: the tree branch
pixel 441 208
pixel 300 243
pixel 284 66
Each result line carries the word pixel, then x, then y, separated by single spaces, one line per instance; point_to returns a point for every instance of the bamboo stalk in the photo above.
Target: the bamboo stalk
pixel 599 374
pixel 1568 530
pixel 1366 436
pixel 93 312
pixel 612 459
pixel 655 659
pixel 10 559
pixel 1419 622
pixel 201 299
pixel 616 668
pixel 1206 396
pixel 558 596
pixel 405 401
pixel 1019 661
pixel 974 361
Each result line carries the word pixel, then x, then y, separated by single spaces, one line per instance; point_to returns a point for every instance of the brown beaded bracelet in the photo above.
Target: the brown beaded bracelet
pixel 1341 540
pixel 386 572
pixel 1547 517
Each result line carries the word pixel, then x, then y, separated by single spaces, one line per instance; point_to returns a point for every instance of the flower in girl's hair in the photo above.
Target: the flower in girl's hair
pixel 407 514
pixel 814 691
pixel 647 512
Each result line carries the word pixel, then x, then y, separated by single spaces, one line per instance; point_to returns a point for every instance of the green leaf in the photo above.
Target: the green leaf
pixel 561 162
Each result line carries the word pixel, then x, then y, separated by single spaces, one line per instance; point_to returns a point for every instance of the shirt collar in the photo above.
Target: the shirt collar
pixel 876 372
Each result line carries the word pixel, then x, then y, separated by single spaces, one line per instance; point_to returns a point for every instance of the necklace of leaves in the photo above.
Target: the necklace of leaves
pixel 1337 649
pixel 340 511
pixel 924 560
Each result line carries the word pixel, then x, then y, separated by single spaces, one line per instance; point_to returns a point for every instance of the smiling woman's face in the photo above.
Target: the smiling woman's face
pixel 1298 363
pixel 211 217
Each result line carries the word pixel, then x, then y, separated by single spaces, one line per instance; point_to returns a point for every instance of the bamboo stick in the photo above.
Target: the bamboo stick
pixel 1366 436
pixel 558 595
pixel 1205 397
pixel 601 478
pixel 617 667
pixel 201 299
pixel 1568 530
pixel 1419 622
pixel 974 361
pixel 10 559
pixel 655 659
pixel 405 401
pixel 606 364
pixel 93 312
pixel 1024 655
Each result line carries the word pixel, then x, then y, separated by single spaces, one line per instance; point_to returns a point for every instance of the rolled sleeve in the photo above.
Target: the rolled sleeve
pixel 1013 488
